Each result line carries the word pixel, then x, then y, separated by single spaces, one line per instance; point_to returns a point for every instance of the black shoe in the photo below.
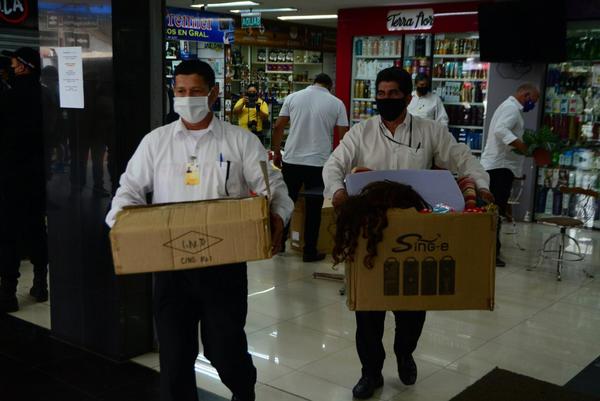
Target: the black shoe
pixel 39 292
pixel 313 257
pixel 8 303
pixel 500 263
pixel 366 386
pixel 407 370
pixel 234 398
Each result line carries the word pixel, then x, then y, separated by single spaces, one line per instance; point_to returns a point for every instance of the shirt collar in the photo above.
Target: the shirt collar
pixel 181 129
pixel 516 102
pixel 402 126
pixel 319 88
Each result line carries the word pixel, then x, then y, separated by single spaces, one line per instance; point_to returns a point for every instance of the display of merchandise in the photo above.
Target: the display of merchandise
pixel 572 110
pixel 456 46
pixel 471 137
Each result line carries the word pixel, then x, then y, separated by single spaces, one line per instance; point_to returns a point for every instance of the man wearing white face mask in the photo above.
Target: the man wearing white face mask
pixel 194 158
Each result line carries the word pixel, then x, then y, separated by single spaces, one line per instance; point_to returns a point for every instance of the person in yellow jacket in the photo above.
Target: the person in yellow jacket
pixel 251 111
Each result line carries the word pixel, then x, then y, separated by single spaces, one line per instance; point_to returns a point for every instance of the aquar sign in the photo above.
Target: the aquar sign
pixel 14 12
pixel 410 20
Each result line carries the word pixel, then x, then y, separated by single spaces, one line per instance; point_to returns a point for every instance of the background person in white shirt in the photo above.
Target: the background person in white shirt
pixel 313 113
pixel 394 140
pixel 504 135
pixel 425 103
pixel 224 161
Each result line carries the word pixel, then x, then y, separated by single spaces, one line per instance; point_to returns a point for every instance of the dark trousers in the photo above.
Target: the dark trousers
pixel 296 175
pixel 22 233
pixel 501 180
pixel 217 298
pixel 369 335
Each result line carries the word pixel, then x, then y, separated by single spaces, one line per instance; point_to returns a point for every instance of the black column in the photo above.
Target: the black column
pixel 91 306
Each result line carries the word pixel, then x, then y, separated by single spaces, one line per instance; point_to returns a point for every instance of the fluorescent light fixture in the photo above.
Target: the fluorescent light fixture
pixel 228 4
pixel 307 17
pixel 265 10
pixel 455 14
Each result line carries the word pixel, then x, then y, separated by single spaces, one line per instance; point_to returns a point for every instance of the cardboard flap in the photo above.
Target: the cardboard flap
pixel 435 186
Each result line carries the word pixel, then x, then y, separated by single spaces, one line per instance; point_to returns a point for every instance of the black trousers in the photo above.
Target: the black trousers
pixel 369 334
pixel 217 298
pixel 22 233
pixel 501 180
pixel 296 175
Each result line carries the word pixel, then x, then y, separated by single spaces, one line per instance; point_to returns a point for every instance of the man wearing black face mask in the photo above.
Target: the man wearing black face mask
pixel 504 135
pixel 251 111
pixel 426 104
pixel 394 140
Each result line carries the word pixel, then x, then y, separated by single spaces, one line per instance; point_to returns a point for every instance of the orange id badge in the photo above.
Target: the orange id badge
pixel 192 174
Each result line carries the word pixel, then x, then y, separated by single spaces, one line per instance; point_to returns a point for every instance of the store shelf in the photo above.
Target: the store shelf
pixel 364 99
pixel 466 126
pixel 463 103
pixel 308 64
pixel 456 56
pixel 171 57
pixel 379 57
pixel 279 72
pixel 459 79
pixel 279 63
pixel 302 83
pixel 258 63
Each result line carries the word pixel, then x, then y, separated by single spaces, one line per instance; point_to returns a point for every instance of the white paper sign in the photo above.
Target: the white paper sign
pixel 410 20
pixel 70 77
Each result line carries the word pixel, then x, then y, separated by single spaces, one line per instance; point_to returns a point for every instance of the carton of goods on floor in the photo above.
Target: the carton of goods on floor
pixel 326 230
pixel 189 235
pixel 427 261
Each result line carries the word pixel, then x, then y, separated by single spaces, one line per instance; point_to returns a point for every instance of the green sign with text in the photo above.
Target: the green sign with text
pixel 251 20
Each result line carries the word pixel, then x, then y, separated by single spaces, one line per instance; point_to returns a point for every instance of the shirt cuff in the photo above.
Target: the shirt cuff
pixel 508 138
pixel 482 184
pixel 331 190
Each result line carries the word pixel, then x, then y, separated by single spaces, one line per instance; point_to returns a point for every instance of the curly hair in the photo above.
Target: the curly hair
pixel 366 214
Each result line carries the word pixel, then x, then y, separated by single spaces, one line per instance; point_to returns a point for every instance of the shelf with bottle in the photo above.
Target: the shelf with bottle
pixel 459 79
pixel 465 103
pixel 363 109
pixel 456 56
pixel 365 69
pixel 466 116
pixel 446 45
pixel 397 57
pixel 378 46
pixel 461 93
pixel 476 127
pixel 470 136
pixel 364 89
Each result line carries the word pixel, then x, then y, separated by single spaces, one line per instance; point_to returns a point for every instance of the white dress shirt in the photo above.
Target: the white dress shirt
pixel 158 166
pixel 370 144
pixel 429 106
pixel 313 113
pixel 506 126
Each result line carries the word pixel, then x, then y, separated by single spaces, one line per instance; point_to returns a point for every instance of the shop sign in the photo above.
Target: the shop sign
pixel 184 24
pixel 410 20
pixel 251 20
pixel 14 12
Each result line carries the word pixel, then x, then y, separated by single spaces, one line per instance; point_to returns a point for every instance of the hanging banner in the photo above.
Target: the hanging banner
pixel 251 20
pixel 184 24
pixel 70 77
pixel 410 20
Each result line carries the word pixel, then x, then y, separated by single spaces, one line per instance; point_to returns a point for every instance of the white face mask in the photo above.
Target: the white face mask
pixel 192 109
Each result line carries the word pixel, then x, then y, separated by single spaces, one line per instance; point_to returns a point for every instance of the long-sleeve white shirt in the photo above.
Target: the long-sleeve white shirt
pixel 506 126
pixel 159 164
pixel 370 144
pixel 429 106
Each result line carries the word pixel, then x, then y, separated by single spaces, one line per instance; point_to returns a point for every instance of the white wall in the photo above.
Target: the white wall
pixel 504 78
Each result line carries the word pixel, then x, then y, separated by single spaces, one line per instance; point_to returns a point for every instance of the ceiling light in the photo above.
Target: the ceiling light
pixel 228 4
pixel 455 14
pixel 264 10
pixel 307 17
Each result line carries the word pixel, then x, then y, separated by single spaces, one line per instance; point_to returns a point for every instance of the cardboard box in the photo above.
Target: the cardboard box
pixel 326 230
pixel 190 235
pixel 427 262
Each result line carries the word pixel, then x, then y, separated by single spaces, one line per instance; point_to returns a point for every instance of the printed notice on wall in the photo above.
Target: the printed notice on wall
pixel 70 77
pixel 596 76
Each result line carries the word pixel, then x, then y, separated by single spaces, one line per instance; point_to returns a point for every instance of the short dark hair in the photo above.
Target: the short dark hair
pixel 323 79
pixel 422 77
pixel 189 67
pixel 255 86
pixel 398 75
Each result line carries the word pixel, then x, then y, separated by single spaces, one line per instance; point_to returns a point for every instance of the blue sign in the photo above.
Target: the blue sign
pixel 184 24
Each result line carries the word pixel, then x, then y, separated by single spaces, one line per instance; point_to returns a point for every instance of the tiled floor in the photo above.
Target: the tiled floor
pixel 301 334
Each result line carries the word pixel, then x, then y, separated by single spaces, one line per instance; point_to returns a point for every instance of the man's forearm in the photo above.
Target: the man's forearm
pixel 519 145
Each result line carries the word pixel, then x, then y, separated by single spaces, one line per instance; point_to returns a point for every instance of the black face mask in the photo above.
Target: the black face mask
pixel 422 90
pixel 390 109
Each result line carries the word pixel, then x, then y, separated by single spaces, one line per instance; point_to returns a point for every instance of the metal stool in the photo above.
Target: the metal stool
pixel 562 239
pixel 513 200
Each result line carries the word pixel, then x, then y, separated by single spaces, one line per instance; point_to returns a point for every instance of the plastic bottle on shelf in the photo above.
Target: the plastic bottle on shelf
pixel 367 47
pixel 375 49
pixel 358 47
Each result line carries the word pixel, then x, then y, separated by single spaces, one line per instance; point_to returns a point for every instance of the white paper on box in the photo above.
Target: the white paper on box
pixel 435 186
pixel 70 77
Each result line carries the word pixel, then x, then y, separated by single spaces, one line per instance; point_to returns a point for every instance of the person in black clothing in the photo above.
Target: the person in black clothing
pixel 22 179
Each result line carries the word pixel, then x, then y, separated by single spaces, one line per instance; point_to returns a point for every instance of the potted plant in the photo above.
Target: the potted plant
pixel 541 144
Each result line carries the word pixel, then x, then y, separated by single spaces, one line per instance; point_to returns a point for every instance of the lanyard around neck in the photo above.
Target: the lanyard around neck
pixel 382 128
